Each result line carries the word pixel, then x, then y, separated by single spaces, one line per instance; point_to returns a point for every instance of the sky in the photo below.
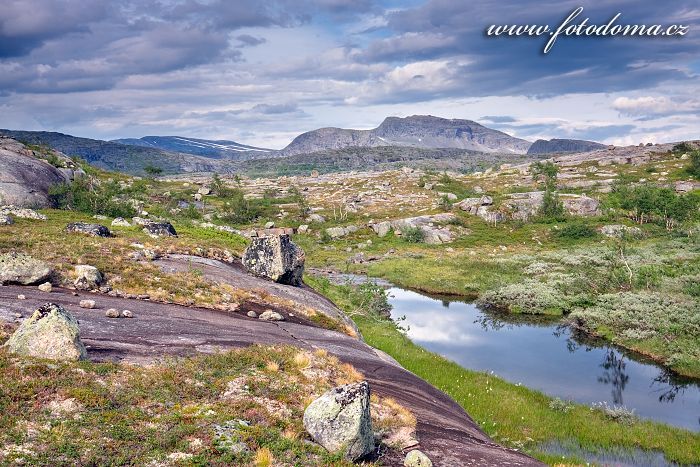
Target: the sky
pixel 262 72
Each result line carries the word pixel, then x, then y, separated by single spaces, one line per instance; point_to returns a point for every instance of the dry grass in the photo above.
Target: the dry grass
pixel 263 458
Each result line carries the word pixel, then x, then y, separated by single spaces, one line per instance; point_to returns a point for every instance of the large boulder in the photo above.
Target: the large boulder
pixel 160 229
pixel 18 268
pixel 416 458
pixel 340 421
pixel 51 332
pixel 93 230
pixel 24 179
pixel 87 277
pixel 275 257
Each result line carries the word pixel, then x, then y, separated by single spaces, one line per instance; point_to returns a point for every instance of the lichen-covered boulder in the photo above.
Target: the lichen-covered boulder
pixel 51 332
pixel 87 277
pixel 18 268
pixel 416 458
pixel 6 220
pixel 275 257
pixel 340 421
pixel 160 229
pixel 94 230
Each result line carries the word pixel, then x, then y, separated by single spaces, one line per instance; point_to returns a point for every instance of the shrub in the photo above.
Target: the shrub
pixel 413 235
pixel 681 148
pixel 617 413
pixel 529 297
pixel 152 170
pixel 90 196
pixel 552 207
pixel 694 167
pixel 577 231
pixel 559 405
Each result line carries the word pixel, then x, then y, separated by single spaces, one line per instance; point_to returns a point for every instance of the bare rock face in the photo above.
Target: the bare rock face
pixel 25 179
pixel 88 277
pixel 275 257
pixel 340 421
pixel 94 230
pixel 160 229
pixel 18 268
pixel 51 332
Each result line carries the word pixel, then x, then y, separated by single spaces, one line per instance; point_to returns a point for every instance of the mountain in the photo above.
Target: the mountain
pixel 120 157
pixel 216 149
pixel 422 131
pixel 554 146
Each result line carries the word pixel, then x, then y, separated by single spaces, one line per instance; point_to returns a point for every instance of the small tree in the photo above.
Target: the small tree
pixel 152 170
pixel 694 167
pixel 545 172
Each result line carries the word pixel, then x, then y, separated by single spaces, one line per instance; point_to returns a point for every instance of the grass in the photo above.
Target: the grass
pixel 59 414
pixel 515 415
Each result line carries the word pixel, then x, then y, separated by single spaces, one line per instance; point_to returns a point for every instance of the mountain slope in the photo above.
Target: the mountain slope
pixel 217 149
pixel 115 156
pixel 542 146
pixel 422 131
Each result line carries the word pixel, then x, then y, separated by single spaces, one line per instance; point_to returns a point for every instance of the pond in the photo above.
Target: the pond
pixel 543 355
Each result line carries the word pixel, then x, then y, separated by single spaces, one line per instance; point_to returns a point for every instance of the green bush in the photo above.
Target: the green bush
pixel 90 196
pixel 577 230
pixel 413 235
pixel 694 167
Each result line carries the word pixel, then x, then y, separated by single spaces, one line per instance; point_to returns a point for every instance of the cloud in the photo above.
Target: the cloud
pixel 246 40
pixel 649 106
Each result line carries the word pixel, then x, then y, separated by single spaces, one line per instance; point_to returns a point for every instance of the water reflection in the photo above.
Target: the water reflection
pixel 543 354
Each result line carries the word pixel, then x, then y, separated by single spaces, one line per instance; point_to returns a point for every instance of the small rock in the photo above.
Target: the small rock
pixel 252 314
pixel 120 222
pixel 94 230
pixel 87 304
pixel 127 314
pixel 204 190
pixel 18 315
pixel 88 277
pixel 416 458
pixel 46 287
pixel 160 229
pixel 6 220
pixel 269 225
pixel 303 228
pixel 21 297
pixel 112 313
pixel 269 315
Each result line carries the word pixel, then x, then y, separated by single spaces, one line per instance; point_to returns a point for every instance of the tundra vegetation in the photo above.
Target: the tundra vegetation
pixel 635 285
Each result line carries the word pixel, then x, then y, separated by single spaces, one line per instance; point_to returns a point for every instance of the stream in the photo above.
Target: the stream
pixel 543 355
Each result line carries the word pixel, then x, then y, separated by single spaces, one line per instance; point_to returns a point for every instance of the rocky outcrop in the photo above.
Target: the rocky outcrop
pixel 22 213
pixel 524 206
pixel 275 257
pixel 434 233
pixel 618 230
pixel 93 230
pixel 88 277
pixel 120 222
pixel 18 268
pixel 51 332
pixel 160 229
pixel 337 232
pixel 340 421
pixel 560 146
pixel 25 179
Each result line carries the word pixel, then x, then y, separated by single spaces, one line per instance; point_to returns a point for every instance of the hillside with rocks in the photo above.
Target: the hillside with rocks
pixel 421 131
pixel 552 146
pixel 217 149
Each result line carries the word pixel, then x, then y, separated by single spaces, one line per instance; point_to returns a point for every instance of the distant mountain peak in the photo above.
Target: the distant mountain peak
pixel 425 131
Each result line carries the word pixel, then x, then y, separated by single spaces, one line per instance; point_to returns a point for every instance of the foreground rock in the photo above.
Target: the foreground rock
pixel 6 220
pixel 51 332
pixel 93 230
pixel 275 257
pixel 88 277
pixel 160 229
pixel 340 421
pixel 18 268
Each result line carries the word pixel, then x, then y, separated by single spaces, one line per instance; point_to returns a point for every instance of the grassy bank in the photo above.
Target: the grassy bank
pixel 514 415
